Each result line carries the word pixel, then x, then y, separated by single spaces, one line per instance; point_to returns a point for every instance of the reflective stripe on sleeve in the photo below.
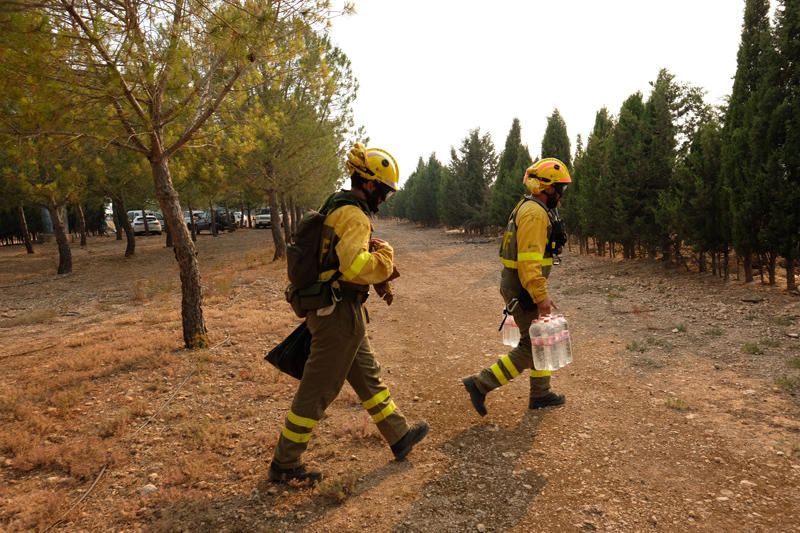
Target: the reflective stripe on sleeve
pixel 541 373
pixel 495 368
pixel 301 421
pixel 357 266
pixel 295 437
pixel 506 360
pixel 375 400
pixel 508 263
pixel 386 411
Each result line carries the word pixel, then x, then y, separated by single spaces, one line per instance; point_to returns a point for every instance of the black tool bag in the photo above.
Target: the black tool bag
pixel 290 356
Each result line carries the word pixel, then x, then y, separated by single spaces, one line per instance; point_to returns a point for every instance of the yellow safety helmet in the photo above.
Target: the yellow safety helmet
pixel 544 173
pixel 373 164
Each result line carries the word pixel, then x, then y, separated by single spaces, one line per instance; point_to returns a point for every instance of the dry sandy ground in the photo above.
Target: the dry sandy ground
pixel 682 403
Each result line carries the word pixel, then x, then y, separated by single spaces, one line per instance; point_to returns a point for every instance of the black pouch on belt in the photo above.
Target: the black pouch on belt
pixel 290 356
pixel 315 296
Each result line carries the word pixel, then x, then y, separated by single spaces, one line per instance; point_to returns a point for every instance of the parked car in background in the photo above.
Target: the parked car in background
pixel 264 218
pixel 153 225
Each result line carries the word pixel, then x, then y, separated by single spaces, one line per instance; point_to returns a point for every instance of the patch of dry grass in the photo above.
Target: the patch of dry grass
pixel 29 318
pixel 32 511
pixel 147 290
pixel 340 488
pixel 359 427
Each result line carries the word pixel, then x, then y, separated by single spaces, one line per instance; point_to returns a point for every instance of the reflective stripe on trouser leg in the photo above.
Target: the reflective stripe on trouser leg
pixel 334 342
pixel 365 378
pixel 500 373
pixel 540 383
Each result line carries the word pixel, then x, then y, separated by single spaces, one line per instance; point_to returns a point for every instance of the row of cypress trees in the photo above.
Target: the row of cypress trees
pixel 667 174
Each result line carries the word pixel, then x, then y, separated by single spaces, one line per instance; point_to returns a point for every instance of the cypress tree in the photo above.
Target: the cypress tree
pixel 595 194
pixel 738 161
pixel 784 220
pixel 508 187
pixel 627 181
pixel 472 171
pixel 657 162
pixel 555 142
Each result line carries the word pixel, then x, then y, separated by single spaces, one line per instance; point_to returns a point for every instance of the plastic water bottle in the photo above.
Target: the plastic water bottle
pixel 559 344
pixel 537 344
pixel 567 343
pixel 510 331
pixel 548 340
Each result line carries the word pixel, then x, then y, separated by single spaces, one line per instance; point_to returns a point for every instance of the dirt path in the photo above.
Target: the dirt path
pixel 682 408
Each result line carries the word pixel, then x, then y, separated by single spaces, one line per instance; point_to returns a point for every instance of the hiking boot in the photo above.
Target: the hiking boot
pixel 298 473
pixel 403 447
pixel 551 400
pixel 475 395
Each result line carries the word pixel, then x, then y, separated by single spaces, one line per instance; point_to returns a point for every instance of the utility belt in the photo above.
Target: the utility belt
pixel 324 295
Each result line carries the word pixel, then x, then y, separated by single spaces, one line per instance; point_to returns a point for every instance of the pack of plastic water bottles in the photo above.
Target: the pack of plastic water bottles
pixel 551 342
pixel 510 331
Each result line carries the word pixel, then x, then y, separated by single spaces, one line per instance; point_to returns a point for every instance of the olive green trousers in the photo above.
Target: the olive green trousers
pixel 512 364
pixel 340 351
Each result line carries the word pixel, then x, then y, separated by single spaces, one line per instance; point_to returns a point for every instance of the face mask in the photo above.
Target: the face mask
pixel 374 200
pixel 552 200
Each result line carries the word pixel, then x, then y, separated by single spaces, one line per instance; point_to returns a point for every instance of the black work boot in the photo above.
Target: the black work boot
pixel 298 473
pixel 403 447
pixel 551 400
pixel 475 395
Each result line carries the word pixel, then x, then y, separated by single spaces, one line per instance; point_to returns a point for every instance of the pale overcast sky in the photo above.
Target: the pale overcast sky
pixel 429 71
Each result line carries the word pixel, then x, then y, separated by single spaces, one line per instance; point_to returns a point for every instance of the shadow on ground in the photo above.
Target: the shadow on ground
pixel 483 484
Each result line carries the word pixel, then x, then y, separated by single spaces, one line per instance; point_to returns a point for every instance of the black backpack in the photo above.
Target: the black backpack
pixel 305 292
pixel 302 255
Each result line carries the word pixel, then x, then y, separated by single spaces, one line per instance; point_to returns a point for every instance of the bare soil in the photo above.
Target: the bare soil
pixel 682 403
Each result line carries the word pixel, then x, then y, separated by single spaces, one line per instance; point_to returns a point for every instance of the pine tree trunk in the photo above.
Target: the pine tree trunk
pixel 213 215
pixel 64 251
pixel 772 259
pixel 82 222
pixel 119 207
pixel 292 216
pixel 747 263
pixel 726 264
pixel 195 334
pixel 277 236
pixel 701 261
pixel 242 211
pixel 287 222
pixel 192 224
pixel 714 262
pixel 117 221
pixel 144 219
pixel 298 216
pixel 791 284
pixel 230 222
pixel 23 225
pixel 249 217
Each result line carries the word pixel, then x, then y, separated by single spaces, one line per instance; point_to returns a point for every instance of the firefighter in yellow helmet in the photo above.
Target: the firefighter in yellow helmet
pixel 527 256
pixel 340 348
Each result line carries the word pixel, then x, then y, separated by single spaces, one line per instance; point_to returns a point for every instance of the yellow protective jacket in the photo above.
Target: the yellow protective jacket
pixel 345 246
pixel 526 257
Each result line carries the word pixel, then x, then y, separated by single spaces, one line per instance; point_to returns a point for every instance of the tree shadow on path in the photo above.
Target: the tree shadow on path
pixel 483 484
